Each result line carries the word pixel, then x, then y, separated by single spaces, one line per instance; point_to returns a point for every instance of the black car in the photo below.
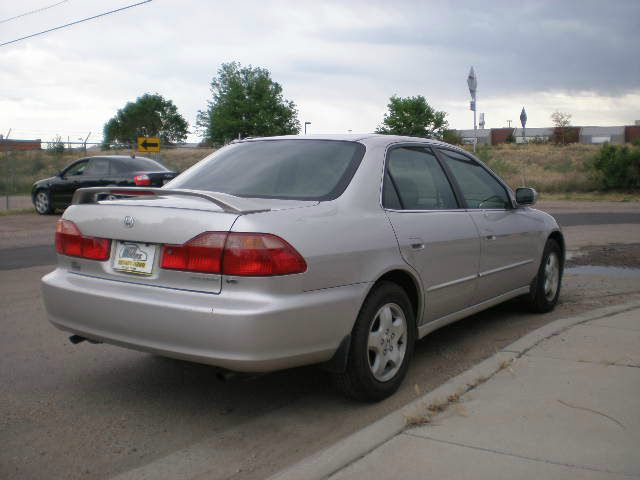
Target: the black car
pixel 113 170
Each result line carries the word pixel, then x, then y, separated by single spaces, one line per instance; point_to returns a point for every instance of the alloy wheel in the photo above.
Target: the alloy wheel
pixel 551 276
pixel 42 202
pixel 387 343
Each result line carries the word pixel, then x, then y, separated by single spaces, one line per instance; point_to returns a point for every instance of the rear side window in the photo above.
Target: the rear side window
pixel 129 165
pixel 97 166
pixel 144 164
pixel 479 188
pixel 418 180
pixel 286 169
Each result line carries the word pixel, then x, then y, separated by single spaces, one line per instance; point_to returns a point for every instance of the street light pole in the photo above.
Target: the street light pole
pixel 472 82
pixel 305 127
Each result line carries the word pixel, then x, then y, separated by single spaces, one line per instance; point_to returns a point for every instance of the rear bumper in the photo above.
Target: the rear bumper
pixel 248 332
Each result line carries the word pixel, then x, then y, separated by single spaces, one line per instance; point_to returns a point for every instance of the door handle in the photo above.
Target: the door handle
pixel 416 243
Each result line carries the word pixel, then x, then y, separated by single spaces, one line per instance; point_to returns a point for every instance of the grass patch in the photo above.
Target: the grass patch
pixel 593 196
pixel 560 172
pixel 547 168
pixel 19 211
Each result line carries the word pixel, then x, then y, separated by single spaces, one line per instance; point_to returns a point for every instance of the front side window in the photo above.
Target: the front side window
pixel 479 188
pixel 285 169
pixel 76 169
pixel 97 167
pixel 415 181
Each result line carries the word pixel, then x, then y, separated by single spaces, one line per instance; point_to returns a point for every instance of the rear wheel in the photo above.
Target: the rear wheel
pixel 382 344
pixel 545 288
pixel 42 202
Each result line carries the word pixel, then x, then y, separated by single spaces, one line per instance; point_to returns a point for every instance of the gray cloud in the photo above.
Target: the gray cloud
pixel 339 61
pixel 519 47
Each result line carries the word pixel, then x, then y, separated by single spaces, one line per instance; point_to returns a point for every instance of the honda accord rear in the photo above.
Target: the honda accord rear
pixel 237 279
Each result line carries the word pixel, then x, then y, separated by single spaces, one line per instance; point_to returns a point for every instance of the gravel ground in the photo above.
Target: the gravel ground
pixel 612 255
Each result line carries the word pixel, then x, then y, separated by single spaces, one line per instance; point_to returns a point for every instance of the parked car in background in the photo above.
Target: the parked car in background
pixel 113 170
pixel 286 251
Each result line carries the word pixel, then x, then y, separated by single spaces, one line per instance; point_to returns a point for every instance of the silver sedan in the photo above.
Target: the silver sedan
pixel 285 251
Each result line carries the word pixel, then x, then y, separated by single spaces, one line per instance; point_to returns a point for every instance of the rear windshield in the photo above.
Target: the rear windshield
pixel 138 165
pixel 286 169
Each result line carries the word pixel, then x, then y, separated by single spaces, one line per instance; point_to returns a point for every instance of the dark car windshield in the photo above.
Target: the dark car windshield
pixel 286 169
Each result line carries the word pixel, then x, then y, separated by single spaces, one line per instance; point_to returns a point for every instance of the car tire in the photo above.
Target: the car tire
pixel 382 343
pixel 42 202
pixel 545 287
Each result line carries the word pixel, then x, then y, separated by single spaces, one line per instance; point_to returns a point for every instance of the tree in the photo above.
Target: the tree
pixel 150 115
pixel 561 123
pixel 413 116
pixel 246 102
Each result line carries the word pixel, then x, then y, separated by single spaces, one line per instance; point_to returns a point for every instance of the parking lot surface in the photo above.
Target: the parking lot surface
pixel 98 411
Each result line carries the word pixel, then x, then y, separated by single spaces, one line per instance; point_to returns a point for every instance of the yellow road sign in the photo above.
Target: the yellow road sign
pixel 148 144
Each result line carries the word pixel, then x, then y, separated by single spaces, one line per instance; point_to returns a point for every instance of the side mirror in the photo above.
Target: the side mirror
pixel 60 174
pixel 526 196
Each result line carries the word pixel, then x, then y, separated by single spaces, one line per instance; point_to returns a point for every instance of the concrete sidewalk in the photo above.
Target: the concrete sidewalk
pixel 563 402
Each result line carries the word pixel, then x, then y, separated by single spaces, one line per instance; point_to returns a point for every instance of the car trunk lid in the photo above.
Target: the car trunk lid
pixel 139 226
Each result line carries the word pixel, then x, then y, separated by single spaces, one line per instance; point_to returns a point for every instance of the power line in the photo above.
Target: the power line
pixel 74 23
pixel 31 12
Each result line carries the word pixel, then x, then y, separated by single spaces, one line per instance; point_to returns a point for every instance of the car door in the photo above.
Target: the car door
pixel 435 235
pixel 68 182
pixel 509 237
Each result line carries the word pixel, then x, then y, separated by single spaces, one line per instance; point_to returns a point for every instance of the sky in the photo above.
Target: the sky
pixel 338 61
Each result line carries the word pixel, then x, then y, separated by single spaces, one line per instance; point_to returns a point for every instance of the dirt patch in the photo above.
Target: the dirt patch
pixel 613 255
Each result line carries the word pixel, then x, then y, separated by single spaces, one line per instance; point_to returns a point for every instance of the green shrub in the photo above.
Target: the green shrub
pixel 56 146
pixel 450 136
pixel 617 167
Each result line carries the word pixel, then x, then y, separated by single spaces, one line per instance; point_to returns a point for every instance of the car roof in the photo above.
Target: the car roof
pixel 365 138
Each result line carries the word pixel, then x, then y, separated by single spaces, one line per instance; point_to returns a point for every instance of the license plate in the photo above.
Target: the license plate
pixel 132 257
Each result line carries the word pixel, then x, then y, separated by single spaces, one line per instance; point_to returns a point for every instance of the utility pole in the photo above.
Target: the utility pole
pixel 509 122
pixel 85 143
pixel 472 82
pixel 8 168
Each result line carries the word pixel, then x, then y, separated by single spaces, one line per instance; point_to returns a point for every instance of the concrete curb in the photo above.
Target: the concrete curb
pixel 346 451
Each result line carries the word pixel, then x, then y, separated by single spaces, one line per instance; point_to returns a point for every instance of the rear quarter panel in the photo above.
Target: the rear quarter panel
pixel 341 245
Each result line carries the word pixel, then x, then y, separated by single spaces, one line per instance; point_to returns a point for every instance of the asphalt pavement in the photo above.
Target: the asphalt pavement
pixel 97 412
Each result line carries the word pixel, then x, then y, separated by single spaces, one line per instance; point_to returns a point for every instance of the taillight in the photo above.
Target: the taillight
pixel 71 242
pixel 142 180
pixel 200 254
pixel 260 254
pixel 241 254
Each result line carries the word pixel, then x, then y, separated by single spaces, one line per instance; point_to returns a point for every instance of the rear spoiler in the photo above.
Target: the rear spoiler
pixel 228 203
